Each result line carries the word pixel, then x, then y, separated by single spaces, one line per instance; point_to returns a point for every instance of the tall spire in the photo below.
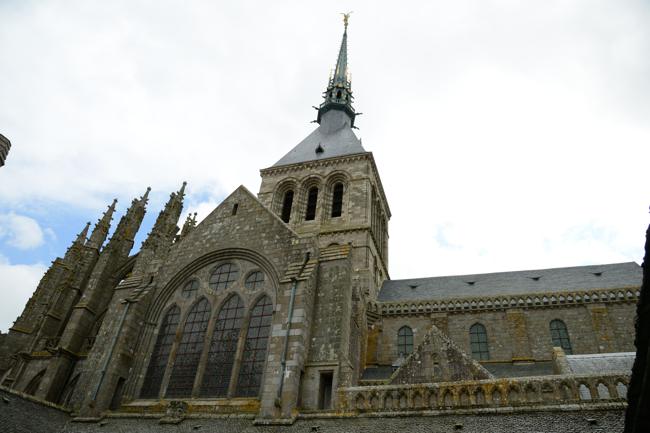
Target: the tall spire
pixel 131 220
pixel 81 237
pixel 338 95
pixel 100 231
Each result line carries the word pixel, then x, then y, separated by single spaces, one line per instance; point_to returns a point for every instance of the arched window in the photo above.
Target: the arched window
pixel 337 200
pixel 560 336
pixel 252 366
pixel 33 384
pixel 160 355
pixel 287 202
pixel 190 288
pixel 479 342
pixel 189 351
pixel 224 276
pixel 404 341
pixel 312 199
pixel 254 280
pixel 223 348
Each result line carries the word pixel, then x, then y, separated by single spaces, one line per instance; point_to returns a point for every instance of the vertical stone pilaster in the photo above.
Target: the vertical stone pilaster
pixel 518 330
pixel 602 327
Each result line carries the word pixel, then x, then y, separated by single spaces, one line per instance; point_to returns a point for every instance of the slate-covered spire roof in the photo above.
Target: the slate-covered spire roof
pixel 334 136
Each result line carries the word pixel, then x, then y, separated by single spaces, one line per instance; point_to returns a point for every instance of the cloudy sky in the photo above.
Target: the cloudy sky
pixel 509 134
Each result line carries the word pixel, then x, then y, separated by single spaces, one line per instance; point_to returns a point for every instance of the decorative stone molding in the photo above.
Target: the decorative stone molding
pixel 534 393
pixel 491 303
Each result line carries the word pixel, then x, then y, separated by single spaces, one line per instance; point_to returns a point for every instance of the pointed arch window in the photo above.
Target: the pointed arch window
pixel 252 366
pixel 337 200
pixel 479 342
pixel 189 351
pixel 560 336
pixel 190 289
pixel 404 341
pixel 287 203
pixel 223 348
pixel 312 200
pixel 33 384
pixel 160 356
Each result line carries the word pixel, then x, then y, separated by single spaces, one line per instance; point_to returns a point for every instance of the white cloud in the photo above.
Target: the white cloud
pixel 500 128
pixel 17 283
pixel 20 231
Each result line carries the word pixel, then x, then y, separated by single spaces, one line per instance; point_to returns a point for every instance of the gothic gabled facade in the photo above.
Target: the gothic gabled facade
pixel 280 305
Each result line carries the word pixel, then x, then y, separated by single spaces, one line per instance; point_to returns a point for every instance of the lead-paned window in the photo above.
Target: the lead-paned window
pixel 160 356
pixel 189 351
pixel 337 200
pixel 190 289
pixel 254 280
pixel 224 276
pixel 223 348
pixel 560 336
pixel 287 202
pixel 312 199
pixel 479 342
pixel 404 341
pixel 252 366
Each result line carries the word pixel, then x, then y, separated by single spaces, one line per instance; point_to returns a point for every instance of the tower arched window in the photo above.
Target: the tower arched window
pixel 560 336
pixel 223 348
pixel 257 338
pixel 189 351
pixel 160 356
pixel 479 342
pixel 337 200
pixel 287 203
pixel 404 341
pixel 312 200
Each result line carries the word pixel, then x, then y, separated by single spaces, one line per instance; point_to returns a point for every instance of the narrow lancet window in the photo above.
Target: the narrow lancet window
pixel 404 341
pixel 337 200
pixel 287 202
pixel 223 348
pixel 160 355
pixel 257 338
pixel 560 336
pixel 312 199
pixel 479 342
pixel 189 351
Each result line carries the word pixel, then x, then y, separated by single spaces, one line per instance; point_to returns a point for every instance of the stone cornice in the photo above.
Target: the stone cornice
pixel 503 302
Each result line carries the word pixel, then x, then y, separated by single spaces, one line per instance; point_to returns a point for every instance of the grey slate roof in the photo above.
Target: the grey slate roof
pixel 507 369
pixel 334 135
pixel 611 276
pixel 602 363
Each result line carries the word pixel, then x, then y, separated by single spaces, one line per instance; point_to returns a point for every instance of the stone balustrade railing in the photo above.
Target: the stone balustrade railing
pixel 490 393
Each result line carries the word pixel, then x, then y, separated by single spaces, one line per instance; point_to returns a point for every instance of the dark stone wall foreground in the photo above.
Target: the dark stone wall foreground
pixel 20 414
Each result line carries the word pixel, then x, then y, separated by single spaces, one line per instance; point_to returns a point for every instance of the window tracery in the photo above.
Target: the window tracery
pixel 189 351
pixel 190 289
pixel 224 276
pixel 221 356
pixel 160 355
pixel 254 280
pixel 252 365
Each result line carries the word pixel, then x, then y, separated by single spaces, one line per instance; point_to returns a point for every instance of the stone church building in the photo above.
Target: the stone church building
pixel 278 308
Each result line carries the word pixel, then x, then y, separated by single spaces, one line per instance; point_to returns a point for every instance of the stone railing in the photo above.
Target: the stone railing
pixel 491 393
pixel 541 300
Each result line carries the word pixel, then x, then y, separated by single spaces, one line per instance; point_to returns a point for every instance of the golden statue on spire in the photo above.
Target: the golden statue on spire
pixel 346 17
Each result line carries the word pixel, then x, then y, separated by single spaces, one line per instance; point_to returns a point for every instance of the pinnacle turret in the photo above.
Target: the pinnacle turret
pixel 130 222
pixel 338 95
pixel 188 226
pixel 100 232
pixel 165 227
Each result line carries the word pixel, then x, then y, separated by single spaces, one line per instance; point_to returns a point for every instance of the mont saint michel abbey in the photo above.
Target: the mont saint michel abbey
pixel 276 313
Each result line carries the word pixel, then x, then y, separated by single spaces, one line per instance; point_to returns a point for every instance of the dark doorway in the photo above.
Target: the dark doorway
pixel 325 390
pixel 117 395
